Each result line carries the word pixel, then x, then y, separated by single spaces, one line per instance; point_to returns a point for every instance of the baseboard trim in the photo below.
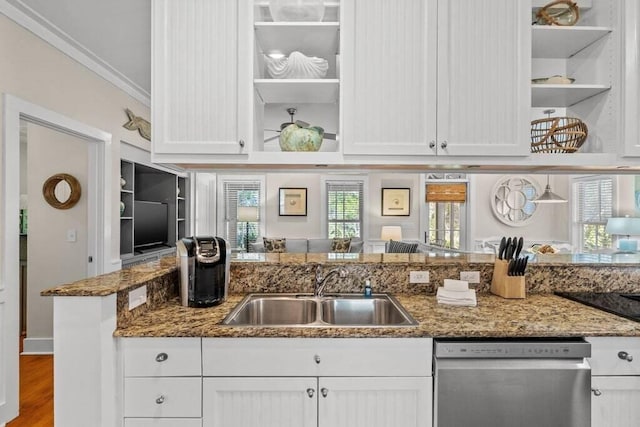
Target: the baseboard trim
pixel 35 346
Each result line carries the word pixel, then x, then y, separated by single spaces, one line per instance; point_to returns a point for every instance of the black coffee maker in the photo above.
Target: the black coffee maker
pixel 204 270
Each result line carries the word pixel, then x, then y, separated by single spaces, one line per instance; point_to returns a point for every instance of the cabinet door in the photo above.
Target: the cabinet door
pixel 614 401
pixel 201 85
pixel 264 402
pixel 632 78
pixel 484 68
pixel 375 402
pixel 388 59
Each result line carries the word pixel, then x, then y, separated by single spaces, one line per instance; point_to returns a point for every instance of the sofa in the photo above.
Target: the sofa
pixel 307 245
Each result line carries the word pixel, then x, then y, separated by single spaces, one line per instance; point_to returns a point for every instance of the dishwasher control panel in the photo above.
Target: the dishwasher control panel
pixel 524 349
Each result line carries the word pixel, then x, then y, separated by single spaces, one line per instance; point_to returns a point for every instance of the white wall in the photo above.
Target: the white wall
pixel 550 221
pixel 293 226
pixel 33 70
pixel 51 259
pixel 410 224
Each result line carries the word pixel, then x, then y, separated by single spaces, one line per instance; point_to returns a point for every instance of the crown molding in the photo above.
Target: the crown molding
pixel 38 25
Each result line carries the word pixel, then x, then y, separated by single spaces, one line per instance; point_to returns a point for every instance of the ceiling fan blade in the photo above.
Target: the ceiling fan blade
pixel 272 130
pixel 329 136
pixel 272 138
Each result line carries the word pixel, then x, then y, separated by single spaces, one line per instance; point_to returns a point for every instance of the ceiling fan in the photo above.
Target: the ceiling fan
pixel 292 111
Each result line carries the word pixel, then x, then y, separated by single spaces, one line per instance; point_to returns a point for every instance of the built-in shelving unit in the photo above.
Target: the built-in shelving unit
pixel 149 184
pixel 589 53
pixel 316 100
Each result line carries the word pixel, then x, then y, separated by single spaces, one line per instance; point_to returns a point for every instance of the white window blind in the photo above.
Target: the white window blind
pixel 345 201
pixel 237 194
pixel 594 205
pixel 595 200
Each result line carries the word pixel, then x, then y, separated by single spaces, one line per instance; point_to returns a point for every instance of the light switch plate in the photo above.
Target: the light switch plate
pixel 418 277
pixel 137 297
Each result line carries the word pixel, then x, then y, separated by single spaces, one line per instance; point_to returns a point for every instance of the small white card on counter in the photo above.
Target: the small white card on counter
pixel 456 285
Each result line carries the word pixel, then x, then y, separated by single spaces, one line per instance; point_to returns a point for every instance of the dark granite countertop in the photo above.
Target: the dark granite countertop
pixel 540 315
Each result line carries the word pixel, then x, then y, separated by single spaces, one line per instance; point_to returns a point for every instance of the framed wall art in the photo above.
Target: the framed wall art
pixel 396 202
pixel 292 202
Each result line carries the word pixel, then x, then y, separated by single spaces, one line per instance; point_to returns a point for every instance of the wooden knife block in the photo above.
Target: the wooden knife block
pixel 506 286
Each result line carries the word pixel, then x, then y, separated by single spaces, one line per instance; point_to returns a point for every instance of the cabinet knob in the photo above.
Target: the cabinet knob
pixel 443 144
pixel 241 143
pixel 596 392
pixel 160 400
pixel 432 144
pixel 310 392
pixel 625 356
pixel 317 359
pixel 324 392
pixel 161 357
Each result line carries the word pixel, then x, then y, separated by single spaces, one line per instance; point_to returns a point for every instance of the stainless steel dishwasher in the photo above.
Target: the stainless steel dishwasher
pixel 512 383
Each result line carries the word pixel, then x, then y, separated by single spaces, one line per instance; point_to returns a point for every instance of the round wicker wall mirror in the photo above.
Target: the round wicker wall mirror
pixel 62 191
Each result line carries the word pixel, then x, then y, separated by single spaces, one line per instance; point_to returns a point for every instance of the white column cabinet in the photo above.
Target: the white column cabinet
pixel 615 381
pixel 631 64
pixel 201 83
pixel 446 77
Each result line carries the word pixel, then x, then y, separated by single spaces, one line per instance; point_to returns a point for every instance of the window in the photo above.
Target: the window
pixel 344 208
pixel 241 212
pixel 593 206
pixel 446 196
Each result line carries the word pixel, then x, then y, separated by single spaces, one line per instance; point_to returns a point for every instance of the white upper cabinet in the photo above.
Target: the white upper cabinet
pixel 483 77
pixel 447 77
pixel 389 77
pixel 201 84
pixel 631 95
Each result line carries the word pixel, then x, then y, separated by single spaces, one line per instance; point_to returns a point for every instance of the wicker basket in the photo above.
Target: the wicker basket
pixel 558 135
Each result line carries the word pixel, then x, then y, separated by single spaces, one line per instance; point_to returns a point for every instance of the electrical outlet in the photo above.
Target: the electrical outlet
pixel 137 297
pixel 470 276
pixel 418 277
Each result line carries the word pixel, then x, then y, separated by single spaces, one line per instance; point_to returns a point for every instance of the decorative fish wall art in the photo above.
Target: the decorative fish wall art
pixel 138 123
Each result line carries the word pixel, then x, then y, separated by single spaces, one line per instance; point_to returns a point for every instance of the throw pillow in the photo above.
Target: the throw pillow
pixel 401 247
pixel 275 245
pixel 340 245
pixel 356 246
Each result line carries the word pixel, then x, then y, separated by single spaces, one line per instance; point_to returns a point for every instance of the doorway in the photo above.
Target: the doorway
pixel 98 220
pixel 54 240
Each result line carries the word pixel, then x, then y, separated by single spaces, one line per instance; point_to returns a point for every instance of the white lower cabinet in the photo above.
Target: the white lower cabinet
pixel 155 422
pixel 317 402
pixel 317 382
pixel 615 381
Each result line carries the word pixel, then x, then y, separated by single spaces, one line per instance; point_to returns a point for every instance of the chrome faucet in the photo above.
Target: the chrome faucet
pixel 321 280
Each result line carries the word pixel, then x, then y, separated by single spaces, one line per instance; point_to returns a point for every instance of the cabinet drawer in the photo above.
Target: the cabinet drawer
pixel 162 357
pixel 615 355
pixel 163 397
pixel 316 357
pixel 159 422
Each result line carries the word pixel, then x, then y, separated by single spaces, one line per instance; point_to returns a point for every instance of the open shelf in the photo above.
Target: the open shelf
pixel 322 91
pixel 563 42
pixel 563 95
pixel 311 38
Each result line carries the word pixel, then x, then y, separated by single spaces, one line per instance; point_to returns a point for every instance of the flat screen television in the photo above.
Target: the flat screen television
pixel 151 226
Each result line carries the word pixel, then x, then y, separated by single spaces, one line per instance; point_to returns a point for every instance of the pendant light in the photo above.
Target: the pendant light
pixel 549 196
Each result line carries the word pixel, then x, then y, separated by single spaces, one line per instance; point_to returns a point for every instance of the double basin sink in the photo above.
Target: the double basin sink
pixel 305 310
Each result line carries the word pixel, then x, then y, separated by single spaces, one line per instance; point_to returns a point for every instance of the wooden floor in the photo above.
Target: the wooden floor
pixel 36 392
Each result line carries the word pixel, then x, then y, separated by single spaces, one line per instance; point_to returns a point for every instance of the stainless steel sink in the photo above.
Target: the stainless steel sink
pixel 260 309
pixel 305 310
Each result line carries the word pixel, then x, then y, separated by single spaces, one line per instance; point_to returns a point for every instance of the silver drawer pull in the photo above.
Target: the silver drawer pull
pixel 625 356
pixel 310 392
pixel 324 391
pixel 316 358
pixel 161 357
pixel 160 400
pixel 596 392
